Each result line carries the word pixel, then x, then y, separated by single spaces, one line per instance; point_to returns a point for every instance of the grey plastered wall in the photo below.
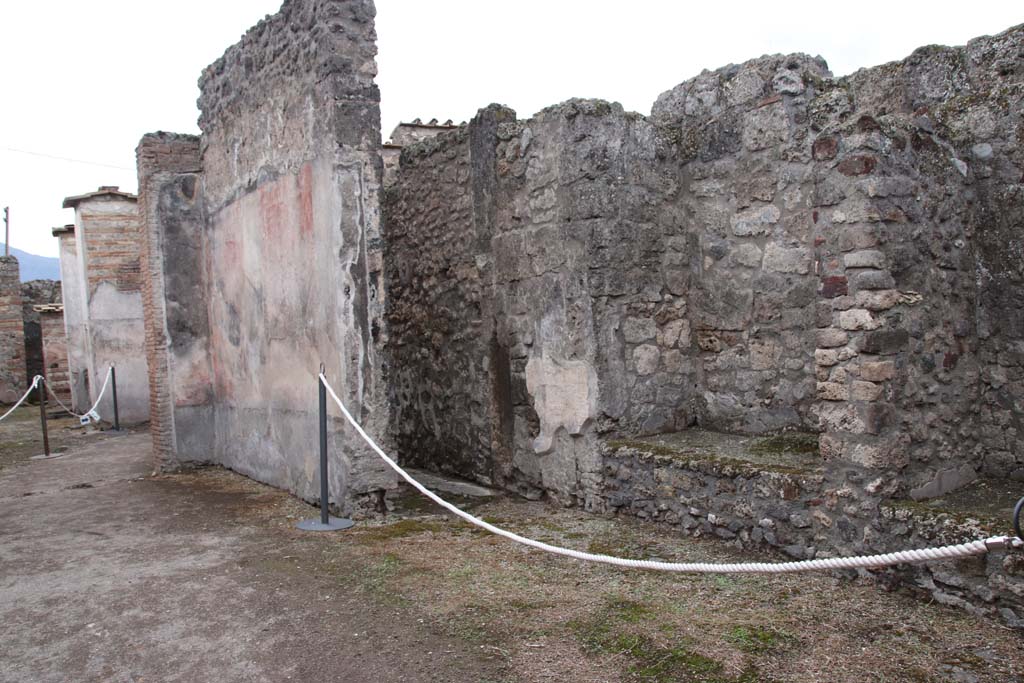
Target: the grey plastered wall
pixel 291 173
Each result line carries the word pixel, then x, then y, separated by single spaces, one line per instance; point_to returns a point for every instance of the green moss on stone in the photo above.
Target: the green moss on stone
pixel 787 442
pixel 722 462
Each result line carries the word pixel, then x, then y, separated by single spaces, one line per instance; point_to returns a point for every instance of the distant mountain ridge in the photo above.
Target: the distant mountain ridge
pixel 35 267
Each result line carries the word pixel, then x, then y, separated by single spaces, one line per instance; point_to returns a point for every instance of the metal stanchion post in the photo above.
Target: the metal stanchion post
pixel 42 417
pixel 324 493
pixel 1016 519
pixel 46 455
pixel 326 521
pixel 113 386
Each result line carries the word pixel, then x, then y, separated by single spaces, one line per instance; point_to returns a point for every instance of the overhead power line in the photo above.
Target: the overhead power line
pixel 67 159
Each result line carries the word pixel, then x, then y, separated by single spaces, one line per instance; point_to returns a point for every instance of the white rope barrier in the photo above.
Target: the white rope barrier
pixel 99 398
pixel 54 396
pixel 35 383
pixel 103 390
pixel 948 552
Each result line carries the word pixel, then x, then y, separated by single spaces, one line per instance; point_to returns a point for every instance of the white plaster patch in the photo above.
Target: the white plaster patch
pixel 564 395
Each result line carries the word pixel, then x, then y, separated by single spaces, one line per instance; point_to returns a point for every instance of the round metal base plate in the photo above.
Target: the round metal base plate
pixel 52 456
pixel 333 524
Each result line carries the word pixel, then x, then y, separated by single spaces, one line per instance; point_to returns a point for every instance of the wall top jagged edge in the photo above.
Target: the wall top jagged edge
pixel 268 50
pixel 873 86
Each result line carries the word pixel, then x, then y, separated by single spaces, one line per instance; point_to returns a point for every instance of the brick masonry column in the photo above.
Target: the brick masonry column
pixel 168 167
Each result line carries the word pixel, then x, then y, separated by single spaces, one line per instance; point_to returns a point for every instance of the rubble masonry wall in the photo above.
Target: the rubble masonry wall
pixel 771 249
pixel 12 333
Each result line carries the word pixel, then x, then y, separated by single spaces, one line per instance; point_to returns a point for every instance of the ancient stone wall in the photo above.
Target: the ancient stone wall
pixel 734 148
pixel 12 334
pixel 908 239
pixel 437 318
pixel 175 295
pixel 597 260
pixel 772 249
pixel 406 134
pixel 106 303
pixel 861 266
pixel 983 123
pixel 808 247
pixel 36 293
pixel 284 221
pixel 54 343
pixel 501 311
pixel 73 297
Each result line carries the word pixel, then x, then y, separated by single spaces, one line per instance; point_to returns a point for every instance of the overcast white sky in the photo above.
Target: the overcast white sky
pixel 84 80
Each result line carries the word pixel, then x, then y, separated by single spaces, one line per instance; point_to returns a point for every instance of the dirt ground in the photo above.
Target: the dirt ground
pixel 21 434
pixel 110 574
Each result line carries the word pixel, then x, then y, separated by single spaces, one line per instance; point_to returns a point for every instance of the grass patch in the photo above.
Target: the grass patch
pixel 758 640
pixel 479 624
pixel 520 605
pixel 473 633
pixel 601 633
pixel 376 577
pixel 496 521
pixel 400 529
pixel 629 611
pixel 725 582
pixel 548 525
pixel 614 632
pixel 622 545
pixel 467 570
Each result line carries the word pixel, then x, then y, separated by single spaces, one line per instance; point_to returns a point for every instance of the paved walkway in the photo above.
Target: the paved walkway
pixel 108 574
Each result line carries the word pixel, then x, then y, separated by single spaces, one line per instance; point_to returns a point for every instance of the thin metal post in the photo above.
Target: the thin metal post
pixel 113 385
pixel 42 417
pixel 1016 519
pixel 326 522
pixel 7 231
pixel 324 494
